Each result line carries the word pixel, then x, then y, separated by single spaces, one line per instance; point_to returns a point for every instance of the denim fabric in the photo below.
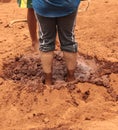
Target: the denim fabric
pixel 65 28
pixel 55 8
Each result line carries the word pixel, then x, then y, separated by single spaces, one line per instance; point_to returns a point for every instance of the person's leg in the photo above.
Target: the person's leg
pixel 68 44
pixel 32 25
pixel 47 62
pixel 71 59
pixel 47 45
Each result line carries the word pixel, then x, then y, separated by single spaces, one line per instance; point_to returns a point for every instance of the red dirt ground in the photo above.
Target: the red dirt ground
pixel 89 104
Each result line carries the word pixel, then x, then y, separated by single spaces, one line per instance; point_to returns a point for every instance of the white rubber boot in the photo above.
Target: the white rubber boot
pixel 46 61
pixel 71 62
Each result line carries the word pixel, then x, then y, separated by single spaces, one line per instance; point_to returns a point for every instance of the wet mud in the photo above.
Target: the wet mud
pixel 27 71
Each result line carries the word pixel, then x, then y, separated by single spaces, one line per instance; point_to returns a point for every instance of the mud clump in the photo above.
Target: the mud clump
pixel 86 95
pixel 113 93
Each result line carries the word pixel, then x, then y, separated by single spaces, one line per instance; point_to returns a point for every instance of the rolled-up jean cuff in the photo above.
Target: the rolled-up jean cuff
pixel 47 48
pixel 70 48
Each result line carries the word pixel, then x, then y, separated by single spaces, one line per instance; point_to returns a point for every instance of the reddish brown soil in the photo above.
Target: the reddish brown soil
pixel 90 103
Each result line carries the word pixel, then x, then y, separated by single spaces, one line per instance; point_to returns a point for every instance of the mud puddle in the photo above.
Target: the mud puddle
pixel 27 69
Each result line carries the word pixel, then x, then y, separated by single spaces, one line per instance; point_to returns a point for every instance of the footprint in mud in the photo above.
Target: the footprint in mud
pixel 28 69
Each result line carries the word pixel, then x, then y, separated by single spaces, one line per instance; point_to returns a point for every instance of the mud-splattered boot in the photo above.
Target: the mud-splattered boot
pixel 71 60
pixel 46 61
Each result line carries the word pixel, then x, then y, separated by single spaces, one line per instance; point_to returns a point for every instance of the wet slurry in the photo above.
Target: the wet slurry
pixel 28 69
